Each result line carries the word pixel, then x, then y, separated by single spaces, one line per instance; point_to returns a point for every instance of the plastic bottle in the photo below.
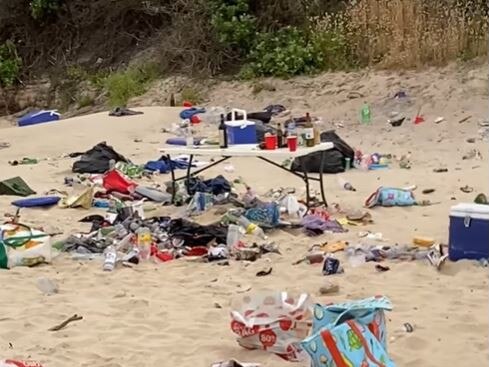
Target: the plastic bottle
pixel 110 258
pixel 345 184
pixel 291 128
pixel 234 236
pixel 366 114
pixel 223 134
pixel 144 242
pixel 251 228
pixel 189 138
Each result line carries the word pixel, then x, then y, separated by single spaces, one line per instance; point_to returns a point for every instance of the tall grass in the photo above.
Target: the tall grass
pixel 407 33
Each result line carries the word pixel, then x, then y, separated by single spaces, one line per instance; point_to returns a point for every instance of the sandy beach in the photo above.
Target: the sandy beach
pixel 166 315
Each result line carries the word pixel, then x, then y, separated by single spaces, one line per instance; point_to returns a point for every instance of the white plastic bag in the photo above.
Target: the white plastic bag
pixel 276 322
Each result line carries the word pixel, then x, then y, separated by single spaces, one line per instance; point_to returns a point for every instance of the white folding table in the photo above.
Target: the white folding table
pixel 250 151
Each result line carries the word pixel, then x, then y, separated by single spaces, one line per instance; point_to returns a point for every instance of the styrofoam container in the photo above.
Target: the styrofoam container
pixel 240 131
pixel 469 232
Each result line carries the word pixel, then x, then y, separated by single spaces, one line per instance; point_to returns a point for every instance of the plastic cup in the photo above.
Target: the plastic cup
pixel 270 142
pixel 292 143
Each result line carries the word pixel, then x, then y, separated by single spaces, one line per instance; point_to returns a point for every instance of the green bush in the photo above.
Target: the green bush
pixel 335 50
pixel 122 86
pixel 284 53
pixel 234 25
pixel 43 8
pixel 10 64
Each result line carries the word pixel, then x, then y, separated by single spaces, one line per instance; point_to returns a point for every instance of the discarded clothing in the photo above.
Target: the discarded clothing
pixel 193 234
pixel 36 202
pixel 123 111
pixel 97 159
pixel 215 186
pixel 275 109
pixel 15 186
pixel 189 112
pixel 264 215
pixel 386 196
pixel 315 226
pixel 162 165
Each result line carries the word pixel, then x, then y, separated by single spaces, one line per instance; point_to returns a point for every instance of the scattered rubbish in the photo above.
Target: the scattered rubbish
pixel 464 119
pixel 275 322
pixel 65 323
pixel 47 286
pixel 263 273
pixel 18 363
pixel 110 258
pixel 428 191
pixel 233 363
pixel 396 122
pixel 21 245
pixel 467 189
pixel 123 111
pixel 470 140
pixel 329 288
pixel 349 334
pixel 481 199
pixel 471 154
pixel 24 161
pixel 15 186
pixel 439 120
pixel 345 184
pixel 365 114
pixel 423 241
pixel 408 327
pixel 42 201
pixel 382 268
pixel 4 145
pixel 331 266
pixel 440 170
pixel 386 196
pixel 97 159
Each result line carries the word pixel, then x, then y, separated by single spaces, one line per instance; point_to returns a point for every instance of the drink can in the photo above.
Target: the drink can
pixel 347 163
pixel 331 265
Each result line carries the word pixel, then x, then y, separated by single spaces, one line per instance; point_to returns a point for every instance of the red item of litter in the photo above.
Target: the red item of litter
pixel 14 363
pixel 187 104
pixel 197 251
pixel 195 119
pixel 418 120
pixel 114 181
pixel 160 255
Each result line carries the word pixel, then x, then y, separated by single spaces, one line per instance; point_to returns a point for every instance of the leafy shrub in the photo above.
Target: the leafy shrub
pixel 284 53
pixel 234 25
pixel 10 64
pixel 192 95
pixel 122 86
pixel 43 8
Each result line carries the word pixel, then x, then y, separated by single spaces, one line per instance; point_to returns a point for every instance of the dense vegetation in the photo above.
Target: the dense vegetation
pixel 247 38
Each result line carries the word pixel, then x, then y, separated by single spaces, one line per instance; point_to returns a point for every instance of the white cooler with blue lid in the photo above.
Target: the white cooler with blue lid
pixel 469 232
pixel 240 131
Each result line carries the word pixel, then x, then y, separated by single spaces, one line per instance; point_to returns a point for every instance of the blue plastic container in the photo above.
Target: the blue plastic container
pixel 38 117
pixel 240 131
pixel 469 232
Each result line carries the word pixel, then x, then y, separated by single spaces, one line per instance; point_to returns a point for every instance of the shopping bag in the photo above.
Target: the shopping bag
pixel 369 312
pixel 387 196
pixel 275 322
pixel 349 344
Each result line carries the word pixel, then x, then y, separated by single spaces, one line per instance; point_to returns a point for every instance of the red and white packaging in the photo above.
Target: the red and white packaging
pixel 275 322
pixel 16 363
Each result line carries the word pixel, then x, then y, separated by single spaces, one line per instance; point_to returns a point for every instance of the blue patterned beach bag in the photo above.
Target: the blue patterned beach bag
pixel 388 196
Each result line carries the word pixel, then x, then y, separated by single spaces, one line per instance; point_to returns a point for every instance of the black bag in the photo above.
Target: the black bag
pixel 97 159
pixel 334 159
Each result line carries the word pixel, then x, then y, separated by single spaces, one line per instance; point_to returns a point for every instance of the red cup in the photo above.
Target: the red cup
pixel 270 142
pixel 292 143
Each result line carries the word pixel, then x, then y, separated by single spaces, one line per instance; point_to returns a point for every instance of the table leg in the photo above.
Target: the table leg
pixel 306 181
pixel 173 181
pixel 321 184
pixel 189 168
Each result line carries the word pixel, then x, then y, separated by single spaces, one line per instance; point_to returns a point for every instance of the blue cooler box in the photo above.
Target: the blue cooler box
pixel 469 232
pixel 240 131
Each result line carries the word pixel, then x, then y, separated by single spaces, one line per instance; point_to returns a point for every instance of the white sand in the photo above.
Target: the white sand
pixel 164 314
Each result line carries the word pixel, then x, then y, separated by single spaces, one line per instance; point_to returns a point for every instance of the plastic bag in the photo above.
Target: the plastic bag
pixel 23 246
pixel 275 322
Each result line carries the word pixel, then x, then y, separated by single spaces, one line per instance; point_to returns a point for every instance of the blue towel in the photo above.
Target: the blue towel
pixel 162 166
pixel 189 112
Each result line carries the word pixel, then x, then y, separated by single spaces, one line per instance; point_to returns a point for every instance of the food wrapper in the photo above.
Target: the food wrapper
pixel 275 322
